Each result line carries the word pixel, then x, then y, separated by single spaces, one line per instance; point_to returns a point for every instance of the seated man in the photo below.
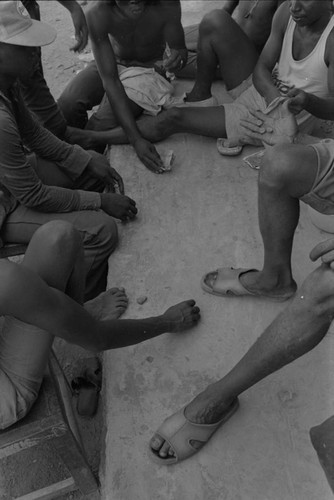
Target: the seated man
pixel 289 173
pixel 295 331
pixel 129 38
pixel 39 99
pixel 240 23
pixel 36 309
pixel 57 180
pixel 302 43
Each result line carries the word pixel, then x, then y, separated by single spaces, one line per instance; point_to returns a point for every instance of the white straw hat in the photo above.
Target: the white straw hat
pixel 17 27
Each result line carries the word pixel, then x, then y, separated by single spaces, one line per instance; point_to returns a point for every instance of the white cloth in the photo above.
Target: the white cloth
pixel 147 88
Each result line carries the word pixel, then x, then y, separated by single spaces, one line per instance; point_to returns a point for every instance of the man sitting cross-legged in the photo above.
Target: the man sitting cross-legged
pixel 42 298
pixel 302 43
pixel 129 39
pixel 52 179
pixel 294 332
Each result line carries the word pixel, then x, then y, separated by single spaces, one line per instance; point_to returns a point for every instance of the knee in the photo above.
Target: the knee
pixel 168 122
pixel 318 290
pixel 277 169
pixel 214 23
pixel 107 234
pixel 60 236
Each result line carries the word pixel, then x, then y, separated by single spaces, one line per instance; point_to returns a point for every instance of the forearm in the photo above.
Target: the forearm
pixel 119 103
pixel 263 82
pixel 321 108
pixel 113 334
pixel 72 159
pixel 27 297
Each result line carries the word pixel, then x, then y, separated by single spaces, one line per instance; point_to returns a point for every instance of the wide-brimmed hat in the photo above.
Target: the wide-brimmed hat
pixel 17 27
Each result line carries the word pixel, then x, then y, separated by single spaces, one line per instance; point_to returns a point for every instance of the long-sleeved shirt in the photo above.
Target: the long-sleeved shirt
pixel 19 183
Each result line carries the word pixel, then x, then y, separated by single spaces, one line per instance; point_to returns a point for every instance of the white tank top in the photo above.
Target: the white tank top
pixel 309 74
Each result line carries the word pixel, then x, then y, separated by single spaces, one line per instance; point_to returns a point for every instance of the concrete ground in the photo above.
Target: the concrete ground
pixel 201 216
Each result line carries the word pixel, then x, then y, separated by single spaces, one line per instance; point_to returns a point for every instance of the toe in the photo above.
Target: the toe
pixel 164 450
pixel 156 442
pixel 210 278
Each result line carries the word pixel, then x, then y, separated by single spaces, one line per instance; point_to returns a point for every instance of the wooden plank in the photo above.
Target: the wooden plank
pixel 52 491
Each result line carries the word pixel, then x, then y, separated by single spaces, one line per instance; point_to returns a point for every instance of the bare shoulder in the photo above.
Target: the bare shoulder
pixel 282 15
pixel 99 15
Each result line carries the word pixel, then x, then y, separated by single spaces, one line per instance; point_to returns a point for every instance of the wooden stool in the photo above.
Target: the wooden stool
pixel 52 419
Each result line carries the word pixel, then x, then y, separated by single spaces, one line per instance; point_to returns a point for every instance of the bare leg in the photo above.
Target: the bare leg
pixel 288 173
pixel 221 42
pixel 203 121
pixel 55 252
pixel 295 331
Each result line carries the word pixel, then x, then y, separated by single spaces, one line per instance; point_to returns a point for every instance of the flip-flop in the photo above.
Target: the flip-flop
pixel 230 286
pixel 178 431
pixel 228 147
pixel 87 388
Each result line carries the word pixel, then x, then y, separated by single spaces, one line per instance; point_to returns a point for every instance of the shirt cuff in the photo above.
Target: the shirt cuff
pixel 77 161
pixel 89 200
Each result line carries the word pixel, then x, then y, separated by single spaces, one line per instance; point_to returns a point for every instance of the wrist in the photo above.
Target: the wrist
pixel 162 324
pixel 308 101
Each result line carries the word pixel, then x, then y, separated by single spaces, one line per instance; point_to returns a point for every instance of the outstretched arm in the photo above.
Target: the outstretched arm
pixel 106 62
pixel 24 295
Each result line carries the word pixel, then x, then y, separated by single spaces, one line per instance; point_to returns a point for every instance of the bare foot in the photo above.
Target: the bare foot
pixel 259 283
pixel 206 408
pixel 108 305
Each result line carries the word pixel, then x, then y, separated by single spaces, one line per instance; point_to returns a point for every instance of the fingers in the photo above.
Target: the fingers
pixel 131 211
pixel 253 127
pixel 258 115
pixel 121 185
pixel 154 164
pixel 325 250
pixel 81 40
pixel 118 179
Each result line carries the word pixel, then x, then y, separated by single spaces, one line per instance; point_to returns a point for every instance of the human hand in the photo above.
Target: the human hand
pixel 325 251
pixel 80 26
pixel 119 206
pixel 298 100
pixel 182 316
pixel 99 167
pixel 278 127
pixel 148 155
pixel 174 59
